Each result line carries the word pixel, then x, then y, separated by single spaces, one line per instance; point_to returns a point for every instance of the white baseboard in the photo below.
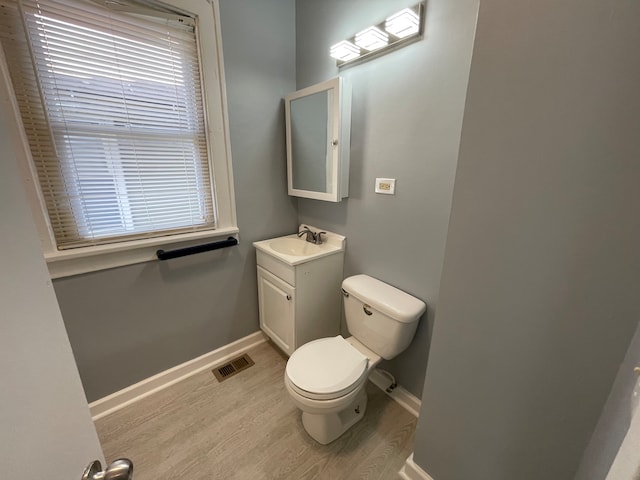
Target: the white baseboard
pixel 148 386
pixel 409 401
pixel 412 471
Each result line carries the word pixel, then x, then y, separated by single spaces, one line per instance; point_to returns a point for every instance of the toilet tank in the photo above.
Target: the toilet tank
pixel 381 317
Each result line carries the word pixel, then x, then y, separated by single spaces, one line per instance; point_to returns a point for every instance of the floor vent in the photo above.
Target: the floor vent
pixel 229 369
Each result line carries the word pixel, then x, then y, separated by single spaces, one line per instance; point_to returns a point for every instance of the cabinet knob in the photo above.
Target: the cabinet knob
pixel 288 297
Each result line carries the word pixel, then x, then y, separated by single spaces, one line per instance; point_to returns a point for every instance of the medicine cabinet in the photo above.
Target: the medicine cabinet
pixel 318 121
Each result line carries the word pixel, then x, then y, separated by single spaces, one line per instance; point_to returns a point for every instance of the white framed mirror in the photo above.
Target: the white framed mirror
pixel 318 122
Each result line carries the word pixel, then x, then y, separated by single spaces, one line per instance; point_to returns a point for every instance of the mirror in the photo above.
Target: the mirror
pixel 318 122
pixel 310 139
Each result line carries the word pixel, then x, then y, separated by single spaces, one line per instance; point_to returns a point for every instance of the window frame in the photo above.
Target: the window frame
pixel 62 263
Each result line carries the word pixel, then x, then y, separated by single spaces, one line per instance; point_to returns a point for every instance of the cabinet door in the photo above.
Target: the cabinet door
pixel 318 124
pixel 277 306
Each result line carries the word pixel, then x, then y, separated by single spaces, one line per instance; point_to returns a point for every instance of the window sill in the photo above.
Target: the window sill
pixel 91 259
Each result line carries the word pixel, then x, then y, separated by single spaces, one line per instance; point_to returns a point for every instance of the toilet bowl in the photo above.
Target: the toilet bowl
pixel 326 378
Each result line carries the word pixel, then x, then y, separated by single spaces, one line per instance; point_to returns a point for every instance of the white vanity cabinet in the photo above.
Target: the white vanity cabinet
pixel 299 300
pixel 276 301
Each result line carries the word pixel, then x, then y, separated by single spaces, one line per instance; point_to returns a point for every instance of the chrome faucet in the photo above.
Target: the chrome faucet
pixel 312 237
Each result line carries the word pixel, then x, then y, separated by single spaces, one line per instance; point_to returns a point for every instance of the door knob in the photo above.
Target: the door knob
pixel 121 469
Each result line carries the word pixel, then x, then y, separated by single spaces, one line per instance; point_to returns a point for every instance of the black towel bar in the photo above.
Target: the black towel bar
pixel 205 247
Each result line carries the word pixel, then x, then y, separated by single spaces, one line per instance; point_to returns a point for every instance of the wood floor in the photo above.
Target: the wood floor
pixel 246 428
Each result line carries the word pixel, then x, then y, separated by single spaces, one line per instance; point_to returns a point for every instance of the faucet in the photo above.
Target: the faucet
pixel 312 237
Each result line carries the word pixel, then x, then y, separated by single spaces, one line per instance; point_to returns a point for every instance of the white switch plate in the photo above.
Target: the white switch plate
pixel 386 186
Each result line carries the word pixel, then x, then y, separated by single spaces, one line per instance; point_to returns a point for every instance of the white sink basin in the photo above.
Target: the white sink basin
pixel 294 250
pixel 295 247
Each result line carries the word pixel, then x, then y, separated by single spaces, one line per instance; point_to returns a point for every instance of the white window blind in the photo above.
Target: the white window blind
pixel 112 105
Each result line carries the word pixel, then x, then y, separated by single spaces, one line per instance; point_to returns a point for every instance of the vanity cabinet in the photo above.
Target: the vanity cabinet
pixel 276 301
pixel 299 303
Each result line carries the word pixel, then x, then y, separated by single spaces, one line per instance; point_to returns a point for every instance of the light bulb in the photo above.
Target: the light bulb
pixel 404 23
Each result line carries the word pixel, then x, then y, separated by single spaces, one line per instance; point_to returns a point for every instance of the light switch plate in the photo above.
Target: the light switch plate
pixel 386 186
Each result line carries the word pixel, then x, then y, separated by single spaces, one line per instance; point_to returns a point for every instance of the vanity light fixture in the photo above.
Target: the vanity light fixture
pixel 398 30
pixel 372 38
pixel 344 51
pixel 404 23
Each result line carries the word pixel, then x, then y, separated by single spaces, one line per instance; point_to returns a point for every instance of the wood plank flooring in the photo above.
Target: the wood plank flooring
pixel 246 428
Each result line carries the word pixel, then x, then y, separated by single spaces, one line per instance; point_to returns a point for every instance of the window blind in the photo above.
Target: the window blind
pixel 112 106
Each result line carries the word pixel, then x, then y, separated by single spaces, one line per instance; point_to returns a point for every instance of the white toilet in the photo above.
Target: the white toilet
pixel 326 377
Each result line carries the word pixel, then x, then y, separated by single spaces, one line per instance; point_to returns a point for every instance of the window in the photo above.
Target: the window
pixel 112 102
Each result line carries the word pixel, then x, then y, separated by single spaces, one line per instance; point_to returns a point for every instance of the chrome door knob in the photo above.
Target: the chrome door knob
pixel 121 469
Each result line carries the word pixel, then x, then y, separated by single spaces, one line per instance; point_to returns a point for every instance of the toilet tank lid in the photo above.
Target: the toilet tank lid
pixel 386 299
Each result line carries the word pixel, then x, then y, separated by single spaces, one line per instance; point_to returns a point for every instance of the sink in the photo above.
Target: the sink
pixel 294 247
pixel 294 250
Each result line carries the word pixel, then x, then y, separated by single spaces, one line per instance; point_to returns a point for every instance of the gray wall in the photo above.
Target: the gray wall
pixel 406 121
pixel 128 323
pixel 614 421
pixel 539 291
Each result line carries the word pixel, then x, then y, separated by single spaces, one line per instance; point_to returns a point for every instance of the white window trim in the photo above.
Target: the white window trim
pixel 63 263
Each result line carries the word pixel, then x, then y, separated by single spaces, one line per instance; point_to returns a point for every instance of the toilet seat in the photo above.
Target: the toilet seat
pixel 327 368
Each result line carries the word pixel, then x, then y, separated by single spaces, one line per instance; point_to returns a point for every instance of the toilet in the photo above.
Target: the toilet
pixel 326 377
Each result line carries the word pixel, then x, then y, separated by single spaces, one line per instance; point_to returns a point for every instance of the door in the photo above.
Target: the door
pixel 277 306
pixel 45 426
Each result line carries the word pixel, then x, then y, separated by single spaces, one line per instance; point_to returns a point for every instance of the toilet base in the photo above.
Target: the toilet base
pixel 325 428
